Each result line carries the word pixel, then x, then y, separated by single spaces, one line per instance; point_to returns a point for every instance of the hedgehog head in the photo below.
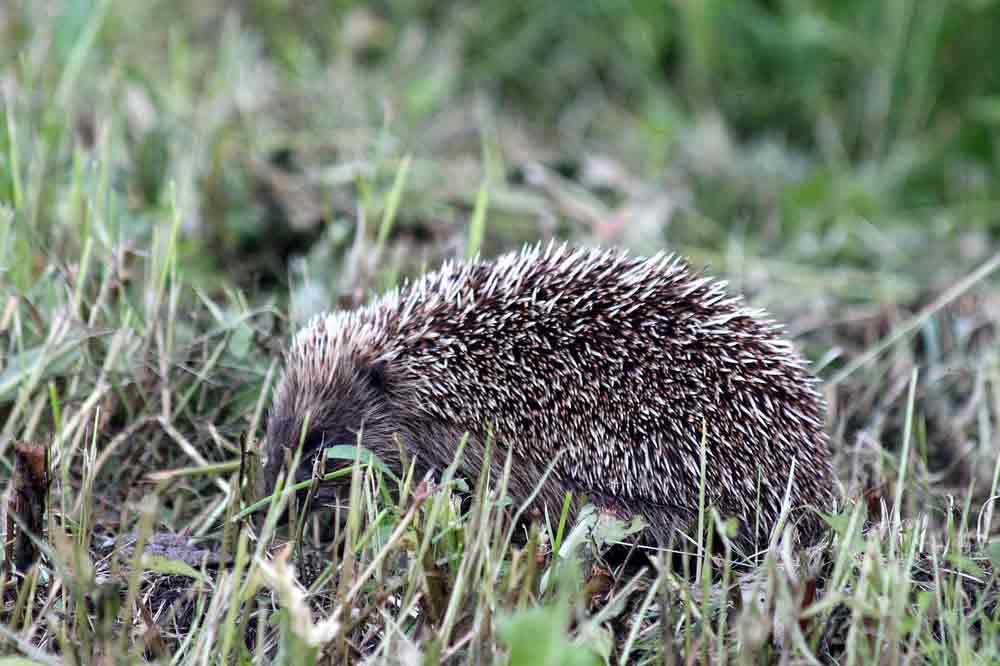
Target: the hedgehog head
pixel 331 393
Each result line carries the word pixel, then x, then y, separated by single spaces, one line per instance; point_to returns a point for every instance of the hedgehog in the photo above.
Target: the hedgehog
pixel 599 373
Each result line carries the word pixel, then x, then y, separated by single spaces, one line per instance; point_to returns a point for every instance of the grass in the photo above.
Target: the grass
pixel 182 185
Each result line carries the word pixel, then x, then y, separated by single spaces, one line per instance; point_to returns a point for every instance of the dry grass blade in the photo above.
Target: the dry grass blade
pixel 907 328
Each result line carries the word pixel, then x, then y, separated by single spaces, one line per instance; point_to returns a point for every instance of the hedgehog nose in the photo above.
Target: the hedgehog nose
pixel 270 486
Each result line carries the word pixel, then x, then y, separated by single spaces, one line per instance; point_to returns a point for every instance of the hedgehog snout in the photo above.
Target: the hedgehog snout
pixel 329 427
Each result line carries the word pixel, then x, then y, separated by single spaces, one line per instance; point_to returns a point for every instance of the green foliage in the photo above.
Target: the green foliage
pixel 538 636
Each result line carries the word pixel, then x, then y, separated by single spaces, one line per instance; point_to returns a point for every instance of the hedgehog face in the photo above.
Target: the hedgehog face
pixel 333 411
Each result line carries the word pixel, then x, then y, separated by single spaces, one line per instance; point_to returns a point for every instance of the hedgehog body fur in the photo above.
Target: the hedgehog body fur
pixel 611 368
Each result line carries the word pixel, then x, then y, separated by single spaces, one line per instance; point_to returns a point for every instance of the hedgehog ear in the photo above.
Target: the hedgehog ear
pixel 377 377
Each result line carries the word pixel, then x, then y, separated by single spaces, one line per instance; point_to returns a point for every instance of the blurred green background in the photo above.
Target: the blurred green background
pixel 835 136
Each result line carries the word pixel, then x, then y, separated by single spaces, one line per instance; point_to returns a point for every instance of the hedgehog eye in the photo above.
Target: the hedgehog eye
pixel 376 376
pixel 324 439
pixel 315 441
